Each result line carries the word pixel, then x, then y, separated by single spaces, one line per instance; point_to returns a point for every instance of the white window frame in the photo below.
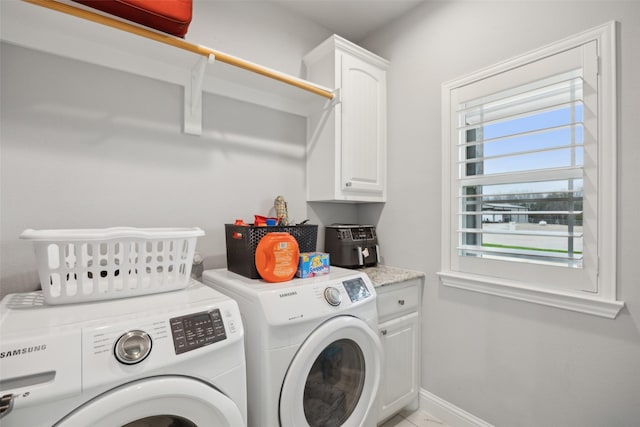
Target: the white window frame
pixel 603 301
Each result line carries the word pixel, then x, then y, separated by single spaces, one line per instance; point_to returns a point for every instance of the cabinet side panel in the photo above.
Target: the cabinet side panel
pixel 321 162
pixel 322 135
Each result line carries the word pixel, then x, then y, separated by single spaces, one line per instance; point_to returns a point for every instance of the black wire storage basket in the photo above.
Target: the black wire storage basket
pixel 242 241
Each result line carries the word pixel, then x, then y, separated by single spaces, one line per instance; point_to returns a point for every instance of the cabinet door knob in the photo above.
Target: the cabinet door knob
pixel 347 184
pixel 383 332
pixel 401 301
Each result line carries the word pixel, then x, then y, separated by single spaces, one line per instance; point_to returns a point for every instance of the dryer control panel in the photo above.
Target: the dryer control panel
pixel 197 330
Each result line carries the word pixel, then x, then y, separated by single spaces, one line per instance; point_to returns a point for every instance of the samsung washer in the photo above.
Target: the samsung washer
pixel 313 352
pixel 170 359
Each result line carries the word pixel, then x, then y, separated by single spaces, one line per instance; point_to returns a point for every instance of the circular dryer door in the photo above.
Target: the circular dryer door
pixel 158 401
pixel 334 377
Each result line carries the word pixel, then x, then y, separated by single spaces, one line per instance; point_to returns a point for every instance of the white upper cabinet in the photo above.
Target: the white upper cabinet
pixel 346 152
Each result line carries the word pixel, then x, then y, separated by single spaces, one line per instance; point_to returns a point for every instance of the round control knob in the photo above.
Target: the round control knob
pixel 133 347
pixel 332 295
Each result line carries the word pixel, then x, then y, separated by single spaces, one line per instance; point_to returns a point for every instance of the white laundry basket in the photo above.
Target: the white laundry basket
pixel 98 264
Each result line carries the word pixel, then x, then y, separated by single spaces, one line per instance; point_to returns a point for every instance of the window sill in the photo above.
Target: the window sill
pixel 566 300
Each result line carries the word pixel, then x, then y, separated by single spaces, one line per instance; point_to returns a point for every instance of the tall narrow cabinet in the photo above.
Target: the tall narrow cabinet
pixel 347 140
pixel 399 316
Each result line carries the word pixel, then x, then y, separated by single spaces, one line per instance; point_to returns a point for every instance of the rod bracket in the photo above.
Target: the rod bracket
pixel 337 98
pixel 193 96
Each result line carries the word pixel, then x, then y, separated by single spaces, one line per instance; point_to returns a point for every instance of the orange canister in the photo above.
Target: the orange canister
pixel 277 257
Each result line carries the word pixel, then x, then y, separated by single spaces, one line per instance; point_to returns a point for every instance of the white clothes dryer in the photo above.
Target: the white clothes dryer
pixel 170 359
pixel 312 348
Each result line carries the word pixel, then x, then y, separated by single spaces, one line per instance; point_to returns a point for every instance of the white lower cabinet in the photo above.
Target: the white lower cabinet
pixel 399 329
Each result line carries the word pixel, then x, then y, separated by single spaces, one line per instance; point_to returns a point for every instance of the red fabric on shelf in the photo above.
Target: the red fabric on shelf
pixel 169 16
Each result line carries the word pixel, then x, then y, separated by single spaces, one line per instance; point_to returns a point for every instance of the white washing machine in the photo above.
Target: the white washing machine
pixel 313 353
pixel 171 359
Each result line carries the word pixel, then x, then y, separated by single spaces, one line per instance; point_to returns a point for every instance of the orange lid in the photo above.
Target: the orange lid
pixel 277 257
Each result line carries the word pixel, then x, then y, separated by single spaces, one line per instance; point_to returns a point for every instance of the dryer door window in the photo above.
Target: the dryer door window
pixel 334 377
pixel 334 384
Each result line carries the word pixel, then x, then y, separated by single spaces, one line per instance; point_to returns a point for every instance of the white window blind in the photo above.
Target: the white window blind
pixel 523 144
pixel 529 176
pixel 521 158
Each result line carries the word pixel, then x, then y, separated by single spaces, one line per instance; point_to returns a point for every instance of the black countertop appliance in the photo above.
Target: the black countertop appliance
pixel 352 245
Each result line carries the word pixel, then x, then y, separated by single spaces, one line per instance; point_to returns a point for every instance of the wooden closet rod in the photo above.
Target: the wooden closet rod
pixel 182 44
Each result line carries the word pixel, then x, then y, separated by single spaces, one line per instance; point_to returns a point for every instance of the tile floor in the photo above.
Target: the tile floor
pixel 414 419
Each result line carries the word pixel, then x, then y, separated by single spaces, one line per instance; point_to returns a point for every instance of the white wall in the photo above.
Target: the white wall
pixel 87 146
pixel 509 363
pixel 256 31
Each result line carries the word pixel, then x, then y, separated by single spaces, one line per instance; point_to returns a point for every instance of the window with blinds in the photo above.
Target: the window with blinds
pixel 521 166
pixel 529 176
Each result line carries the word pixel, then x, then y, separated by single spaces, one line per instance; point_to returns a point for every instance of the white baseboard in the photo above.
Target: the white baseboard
pixel 447 412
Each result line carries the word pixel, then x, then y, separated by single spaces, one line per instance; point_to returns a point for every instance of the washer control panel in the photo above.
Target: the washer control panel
pixel 197 330
pixel 301 300
pixel 172 329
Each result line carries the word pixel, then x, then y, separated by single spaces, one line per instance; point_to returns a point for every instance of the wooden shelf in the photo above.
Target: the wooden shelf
pixel 39 28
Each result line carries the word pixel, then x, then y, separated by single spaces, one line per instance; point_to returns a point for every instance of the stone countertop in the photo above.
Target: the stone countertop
pixel 382 275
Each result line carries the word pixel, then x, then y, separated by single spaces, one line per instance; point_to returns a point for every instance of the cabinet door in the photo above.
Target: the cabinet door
pixel 400 371
pixel 363 126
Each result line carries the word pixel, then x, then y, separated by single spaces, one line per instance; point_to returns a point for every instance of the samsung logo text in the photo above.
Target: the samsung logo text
pixel 22 351
pixel 288 294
